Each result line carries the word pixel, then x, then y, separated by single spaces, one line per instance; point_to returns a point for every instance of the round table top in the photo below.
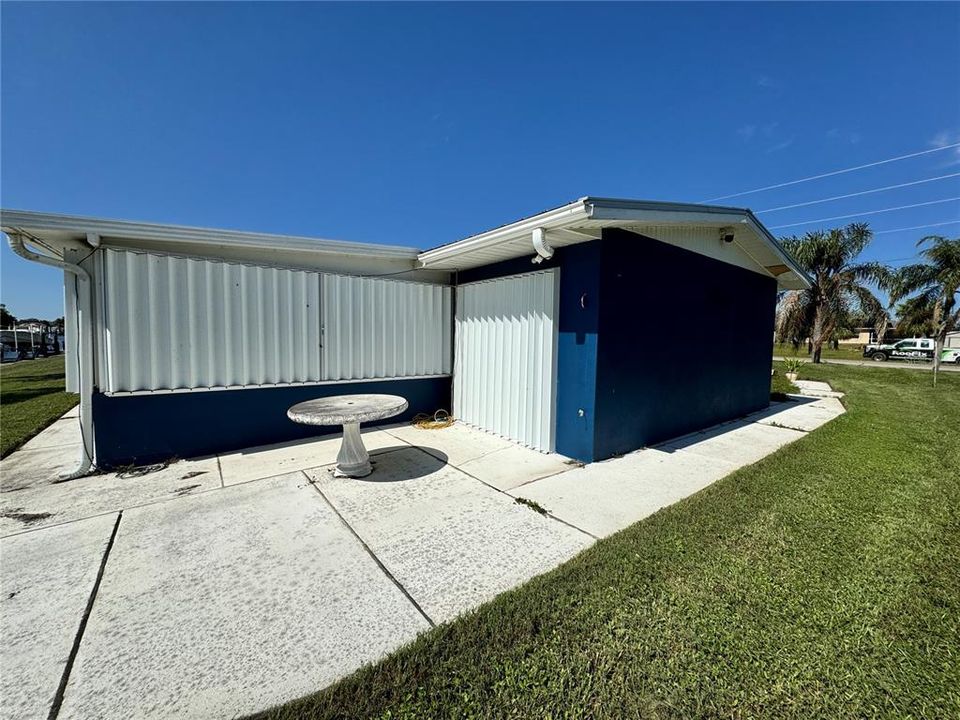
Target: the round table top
pixel 340 409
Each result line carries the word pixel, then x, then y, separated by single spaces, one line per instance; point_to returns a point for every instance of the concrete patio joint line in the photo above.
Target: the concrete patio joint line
pixel 68 668
pixel 370 552
pixel 547 513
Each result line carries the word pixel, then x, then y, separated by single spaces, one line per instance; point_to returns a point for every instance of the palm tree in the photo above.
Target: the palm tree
pixel 838 289
pixel 931 289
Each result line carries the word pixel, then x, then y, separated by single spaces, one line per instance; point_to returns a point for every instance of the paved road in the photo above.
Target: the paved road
pixel 887 364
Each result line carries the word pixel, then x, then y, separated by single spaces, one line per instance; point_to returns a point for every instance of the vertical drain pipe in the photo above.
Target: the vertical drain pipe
pixel 84 347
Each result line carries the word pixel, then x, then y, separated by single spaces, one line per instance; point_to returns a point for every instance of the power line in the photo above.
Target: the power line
pixel 916 227
pixel 862 192
pixel 869 212
pixel 834 172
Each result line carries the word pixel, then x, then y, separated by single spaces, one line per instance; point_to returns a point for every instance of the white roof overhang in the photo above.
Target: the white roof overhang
pixel 585 219
pixel 62 231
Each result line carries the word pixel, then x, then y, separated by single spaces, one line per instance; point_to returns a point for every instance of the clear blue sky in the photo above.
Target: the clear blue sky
pixel 420 124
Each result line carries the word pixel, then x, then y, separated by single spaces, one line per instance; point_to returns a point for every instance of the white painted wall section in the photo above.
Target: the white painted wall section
pixel 172 323
pixel 180 323
pixel 379 328
pixel 506 357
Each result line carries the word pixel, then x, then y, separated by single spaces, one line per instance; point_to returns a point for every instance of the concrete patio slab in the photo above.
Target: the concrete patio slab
pixel 65 431
pixel 452 542
pixel 220 600
pixel 605 497
pixel 456 444
pixel 30 468
pixel 45 582
pixel 741 443
pixel 97 494
pixel 266 461
pixel 225 603
pixel 514 465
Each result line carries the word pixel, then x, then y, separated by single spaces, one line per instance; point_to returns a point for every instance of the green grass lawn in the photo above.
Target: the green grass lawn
pixel 844 352
pixel 31 397
pixel 821 582
pixel 779 385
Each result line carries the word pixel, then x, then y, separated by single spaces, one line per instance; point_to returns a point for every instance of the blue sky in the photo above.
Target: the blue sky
pixel 420 124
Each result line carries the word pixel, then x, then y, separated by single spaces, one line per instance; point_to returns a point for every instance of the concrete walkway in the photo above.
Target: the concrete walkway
pixel 216 587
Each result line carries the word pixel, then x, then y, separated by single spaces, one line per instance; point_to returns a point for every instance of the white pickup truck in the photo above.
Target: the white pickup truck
pixel 912 349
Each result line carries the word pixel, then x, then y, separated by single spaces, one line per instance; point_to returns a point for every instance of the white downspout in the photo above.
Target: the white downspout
pixel 544 251
pixel 84 348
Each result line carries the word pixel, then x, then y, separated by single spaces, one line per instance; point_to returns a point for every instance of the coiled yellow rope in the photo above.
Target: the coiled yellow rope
pixel 440 420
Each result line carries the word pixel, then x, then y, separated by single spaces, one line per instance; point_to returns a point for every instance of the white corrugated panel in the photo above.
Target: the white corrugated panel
pixel 181 323
pixel 376 328
pixel 506 357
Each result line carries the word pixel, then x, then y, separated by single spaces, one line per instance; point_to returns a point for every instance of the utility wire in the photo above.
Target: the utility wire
pixel 916 227
pixel 834 172
pixel 869 212
pixel 856 194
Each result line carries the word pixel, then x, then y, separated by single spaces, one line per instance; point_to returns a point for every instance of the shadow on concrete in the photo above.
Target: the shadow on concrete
pixel 685 441
pixel 417 461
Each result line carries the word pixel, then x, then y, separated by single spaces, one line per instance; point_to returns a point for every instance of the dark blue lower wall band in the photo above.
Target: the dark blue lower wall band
pixel 139 429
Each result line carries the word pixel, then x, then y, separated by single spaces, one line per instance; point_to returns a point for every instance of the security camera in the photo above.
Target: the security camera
pixel 726 234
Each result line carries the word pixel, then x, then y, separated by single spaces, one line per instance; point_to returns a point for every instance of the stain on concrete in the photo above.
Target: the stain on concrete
pixel 185 489
pixel 27 518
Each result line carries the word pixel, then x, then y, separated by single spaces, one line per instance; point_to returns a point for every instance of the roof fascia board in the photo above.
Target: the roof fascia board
pixel 552 218
pixel 672 217
pixel 681 213
pixel 619 203
pixel 759 228
pixel 10 220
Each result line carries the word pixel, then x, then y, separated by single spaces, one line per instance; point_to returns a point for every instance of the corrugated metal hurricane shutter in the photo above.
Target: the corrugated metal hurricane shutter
pixel 182 323
pixel 505 360
pixel 376 328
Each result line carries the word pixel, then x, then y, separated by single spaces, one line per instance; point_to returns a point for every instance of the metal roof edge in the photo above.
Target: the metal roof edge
pixel 491 237
pixel 14 219
pixel 778 248
pixel 660 205
pixel 592 206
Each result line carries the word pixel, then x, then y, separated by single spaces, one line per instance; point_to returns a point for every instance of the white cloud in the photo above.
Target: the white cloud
pixel 765 81
pixel 747 131
pixel 782 145
pixel 849 136
pixel 946 138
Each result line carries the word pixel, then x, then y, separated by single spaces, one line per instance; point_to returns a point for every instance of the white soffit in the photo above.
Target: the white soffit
pixel 693 227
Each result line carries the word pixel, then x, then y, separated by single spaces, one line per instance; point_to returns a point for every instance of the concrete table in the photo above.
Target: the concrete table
pixel 348 411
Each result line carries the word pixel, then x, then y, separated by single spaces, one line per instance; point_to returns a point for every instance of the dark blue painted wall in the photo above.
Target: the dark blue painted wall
pixel 684 342
pixel 631 312
pixel 137 429
pixel 579 322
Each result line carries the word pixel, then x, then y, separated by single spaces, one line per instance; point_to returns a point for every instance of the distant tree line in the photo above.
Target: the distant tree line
pixel 8 320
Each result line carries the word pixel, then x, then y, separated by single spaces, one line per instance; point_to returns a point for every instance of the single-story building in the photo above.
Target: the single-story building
pixel 563 331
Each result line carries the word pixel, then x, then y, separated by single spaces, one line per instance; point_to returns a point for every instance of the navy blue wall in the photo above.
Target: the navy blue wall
pixel 138 429
pixel 579 323
pixel 684 342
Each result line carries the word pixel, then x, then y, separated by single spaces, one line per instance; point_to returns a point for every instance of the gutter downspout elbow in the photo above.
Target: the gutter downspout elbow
pixel 84 348
pixel 544 251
